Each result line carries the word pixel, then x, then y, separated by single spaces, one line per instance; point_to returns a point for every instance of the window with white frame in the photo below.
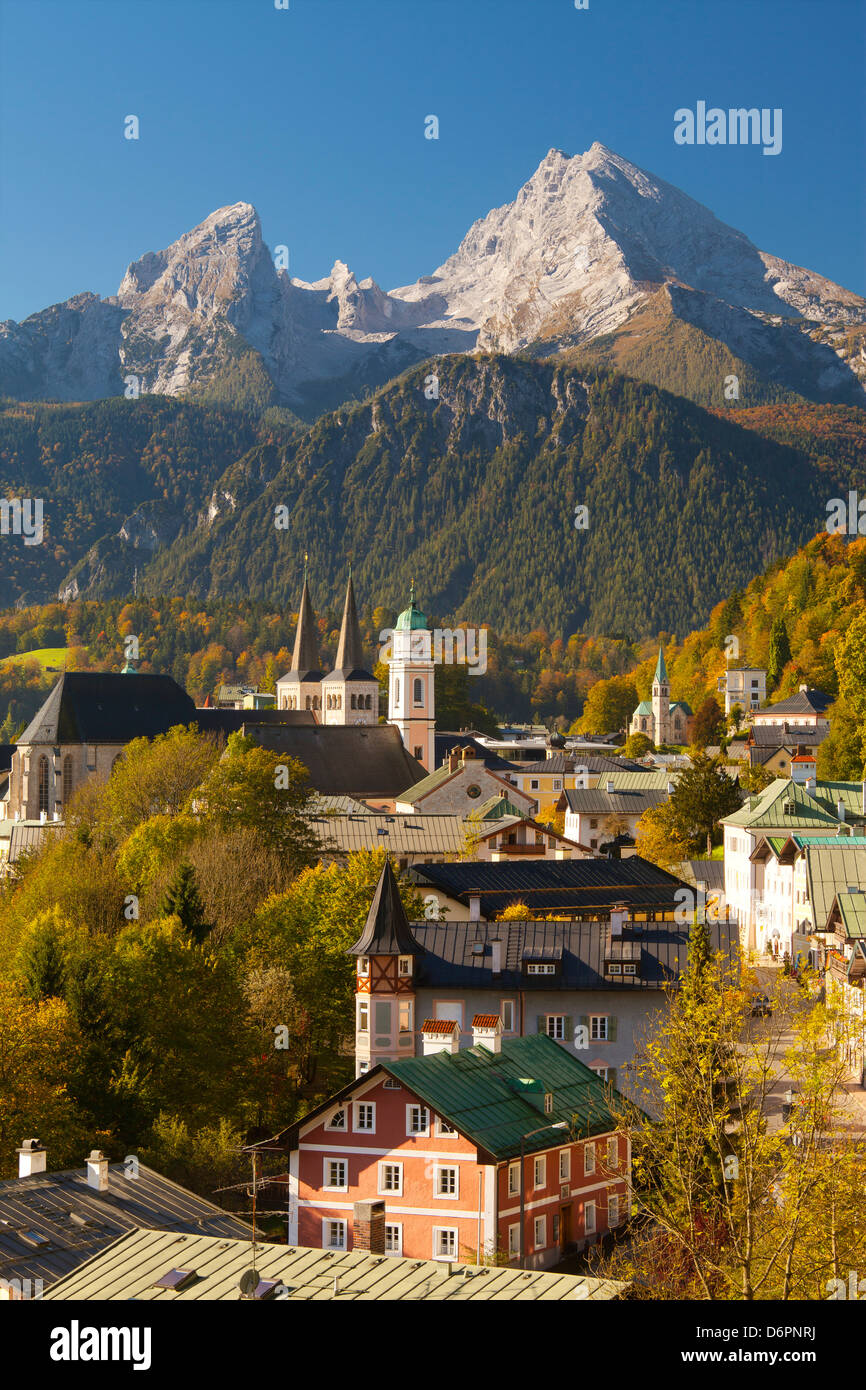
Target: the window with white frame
pixel 390 1084
pixel 446 1181
pixel 363 1016
pixel 548 1102
pixel 514 1240
pixel 589 1218
pixel 364 965
pixel 365 1116
pixel 336 1174
pixel 601 1071
pixel 539 1171
pixel 404 1016
pixel 362 1067
pixel 444 1242
pixel 417 1119
pixel 540 968
pixel 629 969
pixel 539 1233
pixel 513 1179
pixel 564 1165
pixel 333 1235
pixel 391 1178
pixel 506 1013
pixel 555 1228
pixel 588 1159
pixel 443 1130
pixel 613 1152
pixel 393 1239
pixel 404 965
pixel 598 1027
pixel 337 1120
pixel 613 1210
pixel 556 1027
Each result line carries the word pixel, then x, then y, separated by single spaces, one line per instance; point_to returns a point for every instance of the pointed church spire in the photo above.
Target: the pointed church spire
pixel 305 658
pixel 386 930
pixel 350 650
pixel 661 675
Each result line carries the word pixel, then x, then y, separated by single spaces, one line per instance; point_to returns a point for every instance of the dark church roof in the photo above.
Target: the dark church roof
pixel 386 930
pixel 445 743
pixel 109 707
pixel 230 721
pixel 344 759
pixel 349 663
pixel 305 658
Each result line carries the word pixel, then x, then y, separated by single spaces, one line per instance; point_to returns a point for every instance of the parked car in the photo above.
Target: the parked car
pixel 761 1007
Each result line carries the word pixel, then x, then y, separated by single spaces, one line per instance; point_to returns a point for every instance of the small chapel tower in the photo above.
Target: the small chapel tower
pixel 386 959
pixel 411 697
pixel 301 686
pixel 661 701
pixel 350 694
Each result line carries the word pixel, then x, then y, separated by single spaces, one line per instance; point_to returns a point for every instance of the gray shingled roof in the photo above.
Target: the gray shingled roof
pixel 804 702
pixel 78 1221
pixel 451 959
pixel 631 801
pixel 574 886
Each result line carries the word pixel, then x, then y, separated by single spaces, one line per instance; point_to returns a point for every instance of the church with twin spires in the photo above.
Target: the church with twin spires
pixel 349 694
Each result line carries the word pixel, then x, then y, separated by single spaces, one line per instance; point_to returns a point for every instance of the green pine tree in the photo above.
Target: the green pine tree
pixel 182 899
pixel 44 964
pixel 780 652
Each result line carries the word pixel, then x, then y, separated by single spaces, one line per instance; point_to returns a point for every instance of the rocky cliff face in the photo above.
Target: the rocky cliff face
pixel 587 242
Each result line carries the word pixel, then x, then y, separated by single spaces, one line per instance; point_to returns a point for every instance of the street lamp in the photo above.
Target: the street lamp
pixel 557 1124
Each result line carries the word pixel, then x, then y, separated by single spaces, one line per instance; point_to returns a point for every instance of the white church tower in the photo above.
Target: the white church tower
pixel 350 694
pixel 411 698
pixel 661 701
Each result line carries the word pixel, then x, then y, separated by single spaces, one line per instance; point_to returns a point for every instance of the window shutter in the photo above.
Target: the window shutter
pixel 611 1076
pixel 584 1021
pixel 569 1029
pixel 611 1028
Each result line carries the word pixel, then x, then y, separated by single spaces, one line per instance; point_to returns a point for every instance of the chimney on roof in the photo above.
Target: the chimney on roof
pixel 810 784
pixel 368 1227
pixel 440 1035
pixel 43 816
pixel 487 1032
pixel 618 916
pixel 32 1158
pixel 840 809
pixel 670 787
pixel 475 908
pixel 97 1171
pixel 496 958
pixel 609 785
pixel 803 689
pixel 453 760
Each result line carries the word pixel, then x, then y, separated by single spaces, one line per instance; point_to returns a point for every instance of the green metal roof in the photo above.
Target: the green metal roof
pixel 655 779
pixel 411 618
pixel 849 793
pixel 831 867
pixel 494 808
pixel 852 909
pixel 644 707
pixel 129 1267
pixel 766 812
pixel 483 1093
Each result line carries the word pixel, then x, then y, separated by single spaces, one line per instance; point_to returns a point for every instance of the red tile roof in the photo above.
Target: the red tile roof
pixel 438 1025
pixel 485 1020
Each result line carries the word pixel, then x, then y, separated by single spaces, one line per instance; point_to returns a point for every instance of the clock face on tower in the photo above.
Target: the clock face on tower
pixel 419 646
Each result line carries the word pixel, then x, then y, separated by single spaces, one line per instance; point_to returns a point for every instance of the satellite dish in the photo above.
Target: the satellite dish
pixel 249 1282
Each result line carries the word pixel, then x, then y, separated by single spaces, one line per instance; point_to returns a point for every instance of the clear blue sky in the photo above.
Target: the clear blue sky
pixel 315 115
